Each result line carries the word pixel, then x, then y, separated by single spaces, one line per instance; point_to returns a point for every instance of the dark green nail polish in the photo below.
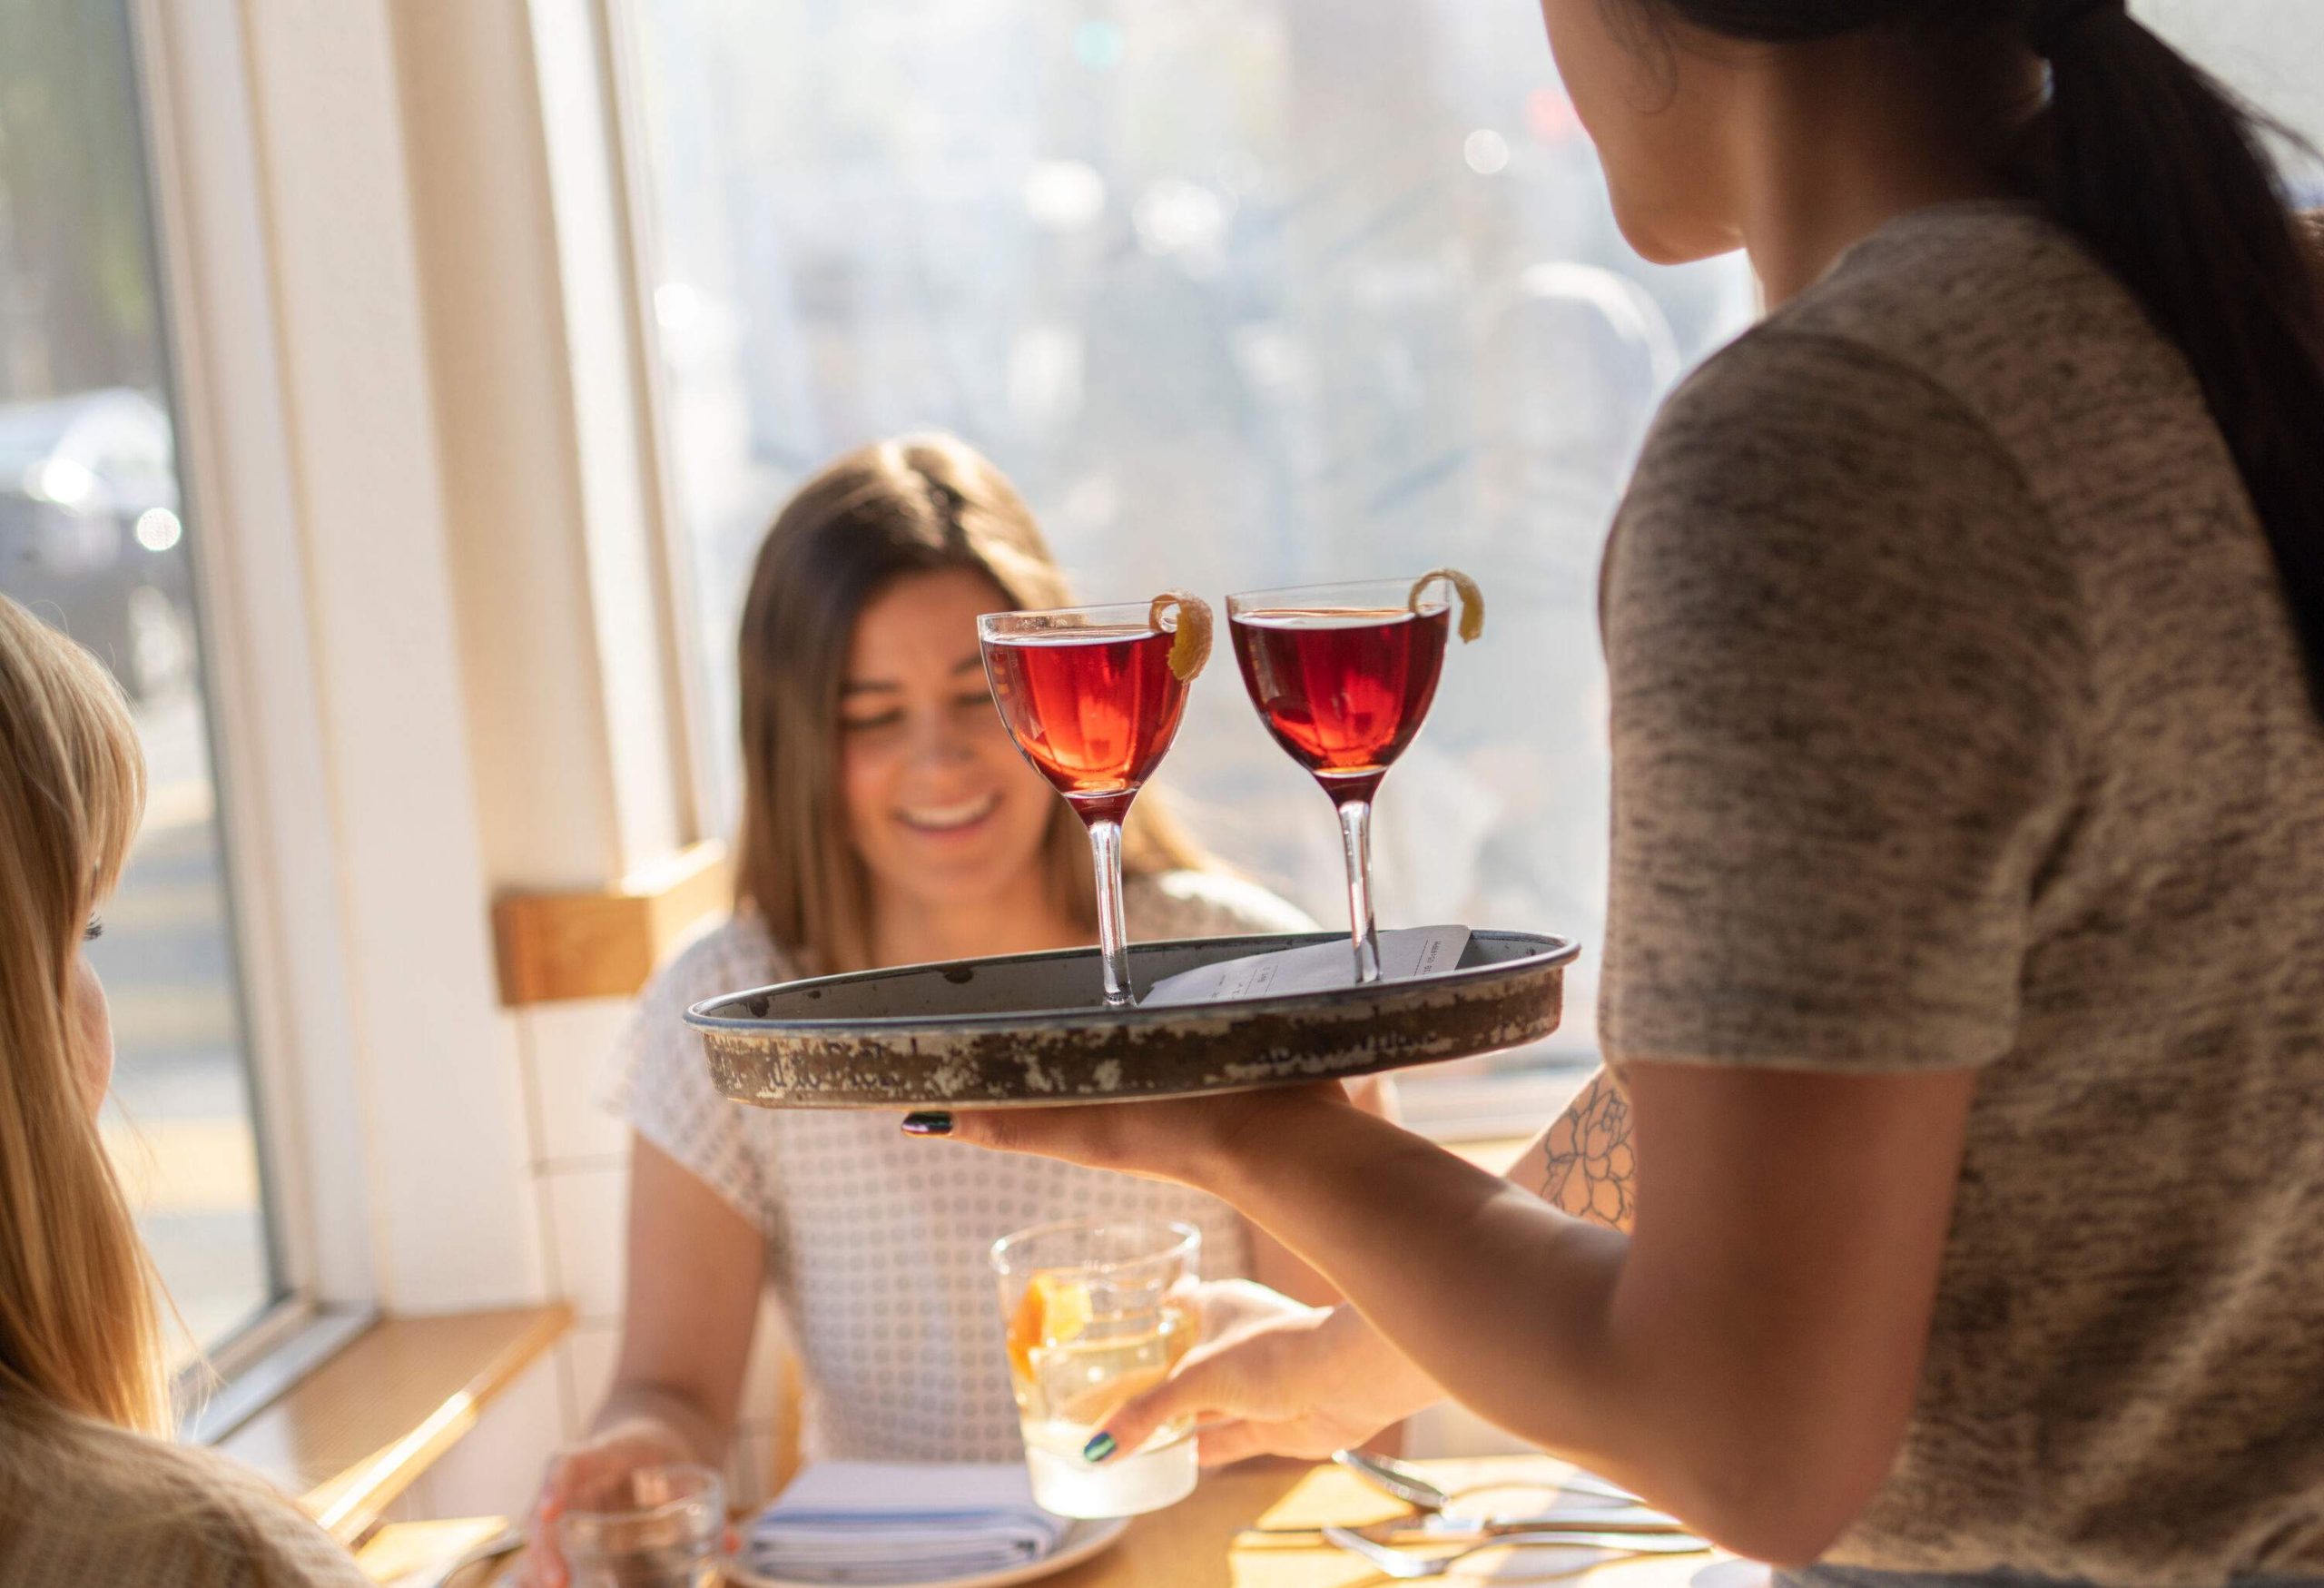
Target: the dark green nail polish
pixel 1100 1446
pixel 927 1124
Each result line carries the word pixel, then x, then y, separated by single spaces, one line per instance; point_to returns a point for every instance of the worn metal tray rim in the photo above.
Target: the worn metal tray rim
pixel 1558 950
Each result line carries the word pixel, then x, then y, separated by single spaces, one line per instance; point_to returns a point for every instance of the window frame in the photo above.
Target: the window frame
pixel 237 478
pixel 622 54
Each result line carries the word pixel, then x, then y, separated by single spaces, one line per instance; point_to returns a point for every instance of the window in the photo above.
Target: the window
pixel 2266 49
pixel 1242 293
pixel 94 536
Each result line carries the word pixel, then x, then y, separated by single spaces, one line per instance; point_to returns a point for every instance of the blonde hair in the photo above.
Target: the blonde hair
pixel 78 1324
pixel 916 504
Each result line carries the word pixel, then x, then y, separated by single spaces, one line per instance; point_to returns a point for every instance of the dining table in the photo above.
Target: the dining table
pixel 1212 1539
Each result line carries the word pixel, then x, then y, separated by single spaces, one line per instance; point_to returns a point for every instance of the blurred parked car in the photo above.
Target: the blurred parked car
pixel 90 536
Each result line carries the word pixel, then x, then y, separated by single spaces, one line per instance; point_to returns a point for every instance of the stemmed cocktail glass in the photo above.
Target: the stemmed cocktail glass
pixel 1343 676
pixel 1093 696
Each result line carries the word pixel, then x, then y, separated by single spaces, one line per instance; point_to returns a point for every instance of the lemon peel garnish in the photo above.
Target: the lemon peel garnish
pixel 1051 1311
pixel 1190 652
pixel 1472 599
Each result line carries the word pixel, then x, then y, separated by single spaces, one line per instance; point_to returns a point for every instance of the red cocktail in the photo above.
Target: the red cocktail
pixel 1093 696
pixel 1343 691
pixel 1342 677
pixel 1093 709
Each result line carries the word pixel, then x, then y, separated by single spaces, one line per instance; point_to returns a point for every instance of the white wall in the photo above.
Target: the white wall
pixel 577 1164
pixel 573 712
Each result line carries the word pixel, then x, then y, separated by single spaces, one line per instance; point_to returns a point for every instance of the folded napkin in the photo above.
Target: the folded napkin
pixel 893 1523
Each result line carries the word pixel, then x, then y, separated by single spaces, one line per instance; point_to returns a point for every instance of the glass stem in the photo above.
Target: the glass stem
pixel 1113 928
pixel 1356 833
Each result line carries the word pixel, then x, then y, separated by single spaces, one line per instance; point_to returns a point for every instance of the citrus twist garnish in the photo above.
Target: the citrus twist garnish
pixel 1051 1312
pixel 1473 600
pixel 1191 650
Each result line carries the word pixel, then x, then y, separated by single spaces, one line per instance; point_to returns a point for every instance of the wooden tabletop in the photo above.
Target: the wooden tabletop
pixel 1201 1543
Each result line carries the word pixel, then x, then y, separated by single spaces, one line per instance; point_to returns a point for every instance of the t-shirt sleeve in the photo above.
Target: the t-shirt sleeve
pixel 1847 679
pixel 659 1080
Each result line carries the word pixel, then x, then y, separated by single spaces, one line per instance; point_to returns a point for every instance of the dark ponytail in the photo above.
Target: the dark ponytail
pixel 2161 170
pixel 2162 174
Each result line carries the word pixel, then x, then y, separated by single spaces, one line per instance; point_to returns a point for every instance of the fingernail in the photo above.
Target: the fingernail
pixel 927 1124
pixel 1100 1446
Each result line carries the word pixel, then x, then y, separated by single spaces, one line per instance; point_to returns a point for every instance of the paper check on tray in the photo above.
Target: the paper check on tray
pixel 1419 950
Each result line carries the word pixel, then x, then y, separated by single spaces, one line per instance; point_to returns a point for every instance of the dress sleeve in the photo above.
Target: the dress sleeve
pixel 659 1081
pixel 1848 682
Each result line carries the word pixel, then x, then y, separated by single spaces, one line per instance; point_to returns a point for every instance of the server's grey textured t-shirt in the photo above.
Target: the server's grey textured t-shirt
pixel 1958 720
pixel 876 1243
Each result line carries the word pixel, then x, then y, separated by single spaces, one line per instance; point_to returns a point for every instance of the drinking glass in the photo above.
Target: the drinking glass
pixel 1099 1313
pixel 1093 696
pixel 658 1527
pixel 1343 676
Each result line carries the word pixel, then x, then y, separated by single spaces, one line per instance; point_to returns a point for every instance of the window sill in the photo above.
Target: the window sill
pixel 557 946
pixel 242 1377
pixel 355 1432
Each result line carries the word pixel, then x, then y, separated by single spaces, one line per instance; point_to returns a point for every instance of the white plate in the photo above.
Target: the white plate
pixel 1081 1541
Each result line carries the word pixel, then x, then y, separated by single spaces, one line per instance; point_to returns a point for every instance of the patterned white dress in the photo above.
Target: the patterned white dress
pixel 876 1243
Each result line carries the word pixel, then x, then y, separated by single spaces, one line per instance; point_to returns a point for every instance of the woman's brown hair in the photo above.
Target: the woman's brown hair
pixel 914 504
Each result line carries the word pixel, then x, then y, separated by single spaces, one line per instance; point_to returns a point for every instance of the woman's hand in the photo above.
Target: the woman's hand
pixel 1273 1377
pixel 1192 1142
pixel 580 1476
pixel 1233 1306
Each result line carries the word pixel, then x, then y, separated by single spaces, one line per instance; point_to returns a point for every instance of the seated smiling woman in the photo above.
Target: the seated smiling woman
pixel 1956 1196
pixel 888 819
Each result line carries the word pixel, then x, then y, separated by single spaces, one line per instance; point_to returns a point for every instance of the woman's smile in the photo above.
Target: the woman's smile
pixel 952 820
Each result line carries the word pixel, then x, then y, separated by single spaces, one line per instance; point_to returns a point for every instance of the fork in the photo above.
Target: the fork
pixel 1406 1567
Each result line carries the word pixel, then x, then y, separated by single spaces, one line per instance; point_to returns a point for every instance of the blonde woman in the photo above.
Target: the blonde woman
pixel 89 1491
pixel 887 820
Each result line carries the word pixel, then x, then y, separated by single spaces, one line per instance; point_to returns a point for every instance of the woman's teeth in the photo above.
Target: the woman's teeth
pixel 948 818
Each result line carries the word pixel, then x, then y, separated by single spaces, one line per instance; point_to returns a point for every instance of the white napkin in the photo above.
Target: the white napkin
pixel 861 1522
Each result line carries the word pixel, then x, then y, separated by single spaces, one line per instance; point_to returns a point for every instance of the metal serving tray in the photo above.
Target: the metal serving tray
pixel 1028 1030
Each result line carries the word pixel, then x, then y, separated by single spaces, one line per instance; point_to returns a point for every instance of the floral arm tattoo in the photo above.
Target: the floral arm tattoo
pixel 1588 1167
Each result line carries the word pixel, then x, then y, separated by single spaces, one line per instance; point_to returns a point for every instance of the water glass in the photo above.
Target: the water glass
pixel 1099 1313
pixel 660 1527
